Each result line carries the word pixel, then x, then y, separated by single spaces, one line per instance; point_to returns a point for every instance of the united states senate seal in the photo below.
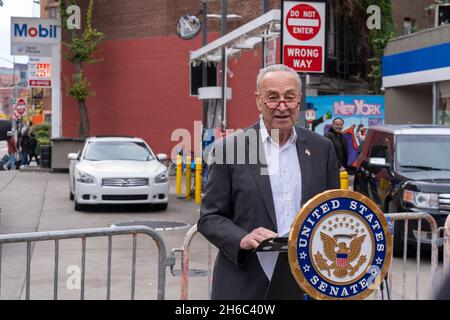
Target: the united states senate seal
pixel 339 246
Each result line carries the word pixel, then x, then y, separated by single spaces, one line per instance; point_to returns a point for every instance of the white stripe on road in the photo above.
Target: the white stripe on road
pixel 303 22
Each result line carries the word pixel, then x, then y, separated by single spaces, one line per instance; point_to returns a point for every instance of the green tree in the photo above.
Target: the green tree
pixel 80 51
pixel 378 40
pixel 369 44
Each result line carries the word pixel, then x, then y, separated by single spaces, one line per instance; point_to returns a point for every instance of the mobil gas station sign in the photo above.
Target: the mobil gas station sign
pixel 303 35
pixel 34 36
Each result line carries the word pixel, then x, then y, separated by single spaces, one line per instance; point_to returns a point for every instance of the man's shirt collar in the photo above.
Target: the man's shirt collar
pixel 265 136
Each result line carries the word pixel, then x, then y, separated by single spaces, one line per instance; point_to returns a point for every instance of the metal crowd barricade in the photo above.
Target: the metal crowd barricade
pixel 447 247
pixel 403 216
pixel 185 271
pixel 419 216
pixel 83 234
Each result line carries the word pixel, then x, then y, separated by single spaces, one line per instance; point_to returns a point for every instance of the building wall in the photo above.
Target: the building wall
pixel 148 18
pixel 413 103
pixel 142 89
pixel 413 9
pixel 422 39
pixel 6 77
pixel 49 8
pixel 142 85
pixel 409 104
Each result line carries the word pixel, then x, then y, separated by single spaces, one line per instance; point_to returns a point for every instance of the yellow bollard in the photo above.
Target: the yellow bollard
pixel 198 180
pixel 178 175
pixel 344 179
pixel 188 178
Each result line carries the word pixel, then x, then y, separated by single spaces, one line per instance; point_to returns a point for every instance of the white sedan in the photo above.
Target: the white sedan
pixel 118 170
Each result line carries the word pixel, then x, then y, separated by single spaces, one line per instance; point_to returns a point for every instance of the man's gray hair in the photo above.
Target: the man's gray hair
pixel 277 68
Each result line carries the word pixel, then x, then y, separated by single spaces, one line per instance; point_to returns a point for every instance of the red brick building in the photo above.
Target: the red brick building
pixel 142 85
pixel 420 12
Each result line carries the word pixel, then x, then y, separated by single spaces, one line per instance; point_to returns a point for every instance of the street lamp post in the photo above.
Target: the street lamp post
pixel 204 65
pixel 263 58
pixel 224 66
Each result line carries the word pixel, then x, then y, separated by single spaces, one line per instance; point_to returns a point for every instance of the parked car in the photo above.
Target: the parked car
pixel 117 170
pixel 406 168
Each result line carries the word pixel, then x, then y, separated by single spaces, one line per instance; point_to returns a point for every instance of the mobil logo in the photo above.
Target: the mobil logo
pixel 24 30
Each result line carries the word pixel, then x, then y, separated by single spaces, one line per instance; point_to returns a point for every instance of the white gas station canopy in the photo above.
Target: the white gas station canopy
pixel 245 37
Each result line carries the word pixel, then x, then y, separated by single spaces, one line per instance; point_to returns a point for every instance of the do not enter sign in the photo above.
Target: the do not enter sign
pixel 303 22
pixel 21 106
pixel 303 35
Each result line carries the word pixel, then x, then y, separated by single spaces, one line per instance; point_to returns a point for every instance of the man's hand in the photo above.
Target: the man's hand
pixel 254 238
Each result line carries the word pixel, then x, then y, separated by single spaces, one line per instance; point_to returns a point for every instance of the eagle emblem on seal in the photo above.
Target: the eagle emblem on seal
pixel 341 255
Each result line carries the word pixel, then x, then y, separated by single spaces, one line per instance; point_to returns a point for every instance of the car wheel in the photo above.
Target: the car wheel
pixel 78 207
pixel 161 206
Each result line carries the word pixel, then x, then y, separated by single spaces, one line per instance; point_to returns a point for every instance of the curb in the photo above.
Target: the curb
pixel 35 169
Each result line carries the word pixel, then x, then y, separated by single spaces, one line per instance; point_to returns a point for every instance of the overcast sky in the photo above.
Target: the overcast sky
pixel 13 8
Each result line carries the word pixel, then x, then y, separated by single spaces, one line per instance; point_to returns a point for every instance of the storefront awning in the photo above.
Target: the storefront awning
pixel 245 37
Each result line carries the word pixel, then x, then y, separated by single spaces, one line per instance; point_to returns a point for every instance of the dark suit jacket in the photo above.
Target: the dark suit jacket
pixel 342 151
pixel 238 199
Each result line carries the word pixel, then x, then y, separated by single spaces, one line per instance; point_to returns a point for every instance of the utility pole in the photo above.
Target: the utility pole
pixel 263 55
pixel 224 66
pixel 15 124
pixel 302 113
pixel 204 64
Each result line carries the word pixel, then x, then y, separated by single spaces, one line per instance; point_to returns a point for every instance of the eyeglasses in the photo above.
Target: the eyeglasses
pixel 275 104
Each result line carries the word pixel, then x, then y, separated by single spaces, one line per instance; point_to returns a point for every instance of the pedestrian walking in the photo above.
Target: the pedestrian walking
pixel 12 150
pixel 32 151
pixel 24 149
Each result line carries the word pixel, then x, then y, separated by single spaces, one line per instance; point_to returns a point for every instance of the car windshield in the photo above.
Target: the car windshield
pixel 118 150
pixel 424 152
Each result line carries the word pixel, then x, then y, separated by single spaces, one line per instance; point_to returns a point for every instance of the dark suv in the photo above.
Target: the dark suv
pixel 407 168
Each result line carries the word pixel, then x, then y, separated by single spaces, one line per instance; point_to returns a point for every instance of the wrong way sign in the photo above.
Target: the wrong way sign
pixel 303 35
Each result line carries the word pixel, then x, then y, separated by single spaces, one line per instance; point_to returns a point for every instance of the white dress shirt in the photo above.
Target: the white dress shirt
pixel 285 181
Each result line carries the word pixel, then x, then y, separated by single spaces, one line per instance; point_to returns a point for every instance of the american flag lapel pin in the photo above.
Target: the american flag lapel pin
pixel 307 152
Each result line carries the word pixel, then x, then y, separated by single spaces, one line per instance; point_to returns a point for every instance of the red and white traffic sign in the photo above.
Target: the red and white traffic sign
pixel 303 41
pixel 303 22
pixel 21 106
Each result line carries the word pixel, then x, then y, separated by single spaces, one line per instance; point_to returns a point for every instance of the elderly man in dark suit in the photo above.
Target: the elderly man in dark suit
pixel 259 178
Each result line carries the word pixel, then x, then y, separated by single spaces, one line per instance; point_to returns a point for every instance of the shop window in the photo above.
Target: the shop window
pixel 444 103
pixel 53 12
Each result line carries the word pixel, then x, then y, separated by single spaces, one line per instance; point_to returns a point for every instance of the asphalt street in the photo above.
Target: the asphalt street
pixel 39 201
pixel 35 201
